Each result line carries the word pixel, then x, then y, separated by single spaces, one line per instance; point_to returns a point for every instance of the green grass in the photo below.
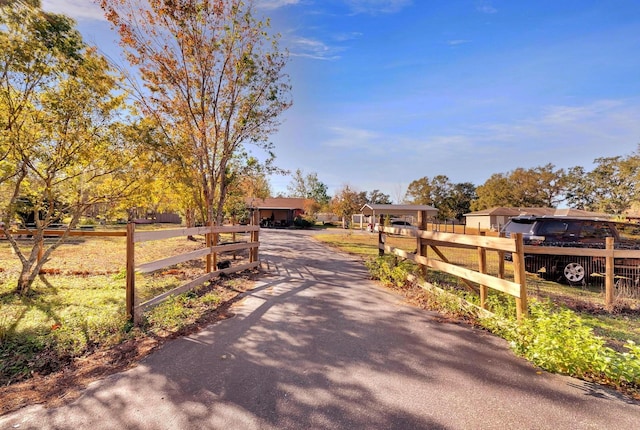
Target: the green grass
pixel 354 243
pixel 617 329
pixel 78 304
pixel 60 319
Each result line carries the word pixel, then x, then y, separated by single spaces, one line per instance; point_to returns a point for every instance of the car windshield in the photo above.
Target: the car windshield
pixel 519 226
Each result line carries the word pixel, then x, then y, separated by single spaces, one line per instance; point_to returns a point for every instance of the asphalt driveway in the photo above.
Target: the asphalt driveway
pixel 316 345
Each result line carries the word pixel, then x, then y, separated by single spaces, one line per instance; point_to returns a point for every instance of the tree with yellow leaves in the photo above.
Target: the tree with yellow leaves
pixel 63 147
pixel 213 80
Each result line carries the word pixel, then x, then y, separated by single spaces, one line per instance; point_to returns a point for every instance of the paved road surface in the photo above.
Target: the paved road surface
pixel 318 346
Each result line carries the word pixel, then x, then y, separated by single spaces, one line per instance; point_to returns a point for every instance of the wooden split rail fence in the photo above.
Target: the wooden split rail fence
pixel 614 260
pixel 213 248
pixel 430 240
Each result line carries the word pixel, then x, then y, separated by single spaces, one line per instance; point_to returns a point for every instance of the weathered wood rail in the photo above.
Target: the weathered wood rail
pixel 430 240
pixel 211 252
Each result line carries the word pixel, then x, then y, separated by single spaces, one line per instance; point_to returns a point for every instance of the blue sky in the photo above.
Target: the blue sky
pixel 389 91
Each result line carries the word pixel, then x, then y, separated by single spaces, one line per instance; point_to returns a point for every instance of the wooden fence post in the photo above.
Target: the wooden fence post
pixel 482 268
pixel 253 236
pixel 609 273
pixel 131 271
pixel 208 237
pixel 501 260
pixel 381 236
pixel 519 276
pixel 421 247
pixel 256 256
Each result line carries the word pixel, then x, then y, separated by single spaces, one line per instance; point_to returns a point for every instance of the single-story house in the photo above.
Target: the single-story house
pixel 371 212
pixel 277 212
pixel 496 218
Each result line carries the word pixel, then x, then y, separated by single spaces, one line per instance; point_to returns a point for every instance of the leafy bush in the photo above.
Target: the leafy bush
pixel 390 270
pixel 558 340
pixel 301 222
pixel 553 338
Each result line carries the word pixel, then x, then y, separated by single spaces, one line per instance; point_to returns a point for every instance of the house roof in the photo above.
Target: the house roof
pixel 512 212
pixel 276 203
pixel 370 209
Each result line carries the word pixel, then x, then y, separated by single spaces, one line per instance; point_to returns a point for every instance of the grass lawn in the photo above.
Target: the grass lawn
pixel 77 304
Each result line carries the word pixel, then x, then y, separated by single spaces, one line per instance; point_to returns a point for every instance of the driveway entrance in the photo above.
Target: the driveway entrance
pixel 317 345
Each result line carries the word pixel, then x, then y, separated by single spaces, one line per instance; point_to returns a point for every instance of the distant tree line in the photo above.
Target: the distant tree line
pixel 612 186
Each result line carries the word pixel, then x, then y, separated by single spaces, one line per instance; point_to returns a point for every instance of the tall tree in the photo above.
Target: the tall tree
pixel 452 200
pixel 213 79
pixel 552 184
pixel 420 192
pixel 377 197
pixel 495 192
pixel 611 187
pixel 542 186
pixel 308 187
pixel 580 192
pixel 460 200
pixel 63 146
pixel 345 203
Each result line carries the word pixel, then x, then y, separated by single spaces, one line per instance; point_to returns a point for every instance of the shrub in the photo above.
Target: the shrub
pixel 301 222
pixel 390 270
pixel 558 340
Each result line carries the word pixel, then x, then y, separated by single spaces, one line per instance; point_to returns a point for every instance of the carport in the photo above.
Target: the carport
pixel 277 212
pixel 408 212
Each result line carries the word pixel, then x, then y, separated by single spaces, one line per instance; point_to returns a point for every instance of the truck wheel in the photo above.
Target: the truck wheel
pixel 573 272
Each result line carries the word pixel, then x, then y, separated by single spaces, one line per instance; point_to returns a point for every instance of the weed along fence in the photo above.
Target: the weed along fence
pixel 211 252
pixel 478 281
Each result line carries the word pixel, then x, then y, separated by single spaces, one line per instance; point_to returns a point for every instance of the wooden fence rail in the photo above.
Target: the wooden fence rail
pixel 211 252
pixel 426 240
pixel 609 254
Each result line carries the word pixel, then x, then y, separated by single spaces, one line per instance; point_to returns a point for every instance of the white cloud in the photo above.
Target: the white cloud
pixel 311 48
pixel 352 138
pixel 344 37
pixel 457 42
pixel 77 9
pixel 566 136
pixel 275 4
pixel 587 113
